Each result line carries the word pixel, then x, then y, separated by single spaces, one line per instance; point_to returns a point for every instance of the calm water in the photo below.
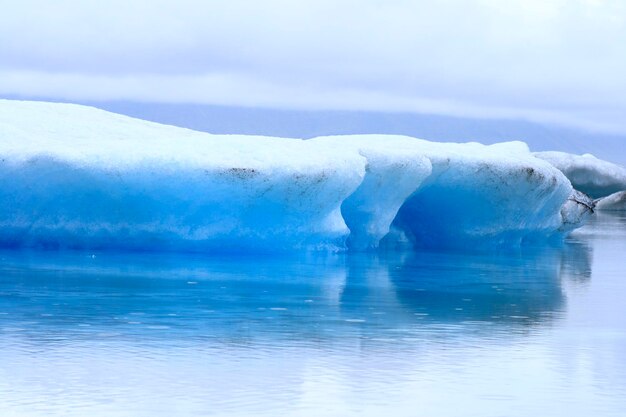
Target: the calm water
pixel 536 333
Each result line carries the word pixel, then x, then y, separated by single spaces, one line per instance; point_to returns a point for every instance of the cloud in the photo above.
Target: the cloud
pixel 557 60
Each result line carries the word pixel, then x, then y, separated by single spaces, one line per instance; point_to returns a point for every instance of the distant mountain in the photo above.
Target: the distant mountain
pixel 308 124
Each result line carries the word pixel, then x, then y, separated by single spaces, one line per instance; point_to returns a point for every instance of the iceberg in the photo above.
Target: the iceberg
pixel 613 202
pixel 74 176
pixel 593 176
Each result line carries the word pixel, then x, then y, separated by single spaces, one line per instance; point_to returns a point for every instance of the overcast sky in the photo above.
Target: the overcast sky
pixel 545 60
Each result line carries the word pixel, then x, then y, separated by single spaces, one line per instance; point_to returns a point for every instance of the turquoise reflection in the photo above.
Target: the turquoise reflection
pixel 535 332
pixel 175 298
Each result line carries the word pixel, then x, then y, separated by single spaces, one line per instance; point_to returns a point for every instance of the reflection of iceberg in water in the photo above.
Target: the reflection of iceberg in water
pixel 236 300
pixel 267 336
pixel 515 288
pixel 576 261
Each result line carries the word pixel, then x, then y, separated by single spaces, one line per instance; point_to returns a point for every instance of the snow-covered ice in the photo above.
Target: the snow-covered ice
pixel 588 174
pixel 613 202
pixel 76 176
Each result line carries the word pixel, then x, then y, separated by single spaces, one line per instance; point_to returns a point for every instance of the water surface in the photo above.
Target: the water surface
pixel 541 331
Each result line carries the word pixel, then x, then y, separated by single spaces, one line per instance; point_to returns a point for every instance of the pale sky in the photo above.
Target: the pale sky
pixel 560 61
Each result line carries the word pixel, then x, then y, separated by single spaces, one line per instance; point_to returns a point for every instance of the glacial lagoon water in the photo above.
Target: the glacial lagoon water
pixel 536 332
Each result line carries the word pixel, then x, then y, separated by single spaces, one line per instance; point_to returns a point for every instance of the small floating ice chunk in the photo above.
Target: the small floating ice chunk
pixel 577 210
pixel 613 202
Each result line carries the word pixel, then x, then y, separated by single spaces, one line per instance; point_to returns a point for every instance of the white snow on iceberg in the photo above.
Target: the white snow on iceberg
pixel 613 202
pixel 76 176
pixel 593 176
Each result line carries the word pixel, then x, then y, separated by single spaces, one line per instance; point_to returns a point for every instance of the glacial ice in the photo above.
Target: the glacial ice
pixel 576 210
pixel 489 195
pixel 593 176
pixel 78 177
pixel 613 202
